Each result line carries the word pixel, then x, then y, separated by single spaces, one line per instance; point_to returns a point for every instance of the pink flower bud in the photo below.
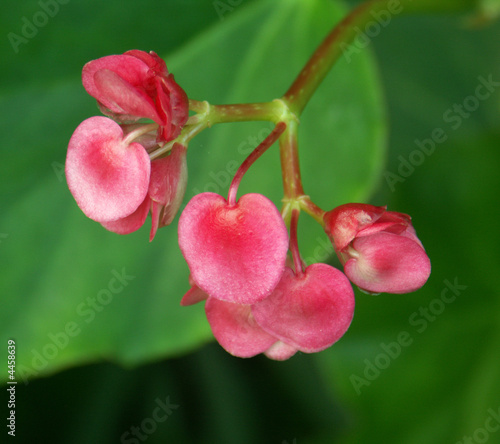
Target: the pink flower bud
pixel 120 85
pixel 235 253
pixel 137 85
pixel 379 249
pixel 172 102
pixel 308 311
pixel 107 175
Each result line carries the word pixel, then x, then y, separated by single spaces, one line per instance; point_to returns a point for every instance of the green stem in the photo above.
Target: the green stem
pixel 290 166
pixel 293 190
pixel 187 133
pixel 244 112
pixel 342 35
pixel 307 205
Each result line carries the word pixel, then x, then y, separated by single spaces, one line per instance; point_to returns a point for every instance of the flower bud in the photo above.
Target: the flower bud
pixel 379 249
pixel 137 85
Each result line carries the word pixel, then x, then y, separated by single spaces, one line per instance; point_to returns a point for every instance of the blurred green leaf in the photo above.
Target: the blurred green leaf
pixel 439 381
pixel 442 385
pixel 75 293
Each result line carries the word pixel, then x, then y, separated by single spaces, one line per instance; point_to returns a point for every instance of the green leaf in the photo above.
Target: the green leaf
pixel 424 367
pixel 73 292
pixel 442 385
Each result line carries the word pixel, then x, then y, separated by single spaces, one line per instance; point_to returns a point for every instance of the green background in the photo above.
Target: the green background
pixel 117 360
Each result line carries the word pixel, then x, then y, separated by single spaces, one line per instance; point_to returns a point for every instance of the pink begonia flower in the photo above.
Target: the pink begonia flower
pixel 235 253
pixel 379 249
pixel 137 85
pixel 115 186
pixel 165 193
pixel 107 174
pixel 235 328
pixel 308 311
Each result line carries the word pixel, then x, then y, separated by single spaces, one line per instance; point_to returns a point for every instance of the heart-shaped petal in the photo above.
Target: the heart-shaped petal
pixel 309 311
pixel 387 262
pixel 108 177
pixel 235 329
pixel 131 223
pixel 235 253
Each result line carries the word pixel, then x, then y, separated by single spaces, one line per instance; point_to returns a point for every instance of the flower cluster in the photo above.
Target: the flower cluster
pixel 243 253
pixel 108 168
pixel 257 302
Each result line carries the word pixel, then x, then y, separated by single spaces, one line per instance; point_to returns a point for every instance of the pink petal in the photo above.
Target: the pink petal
pixel 235 329
pixel 155 219
pixel 131 223
pixel 310 311
pixel 280 351
pixel 236 254
pixel 390 221
pixel 155 63
pixel 343 223
pixel 193 296
pixel 388 263
pixel 172 105
pixel 132 70
pixel 121 97
pixel 167 187
pixel 108 178
pixel 169 180
pixel 410 233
